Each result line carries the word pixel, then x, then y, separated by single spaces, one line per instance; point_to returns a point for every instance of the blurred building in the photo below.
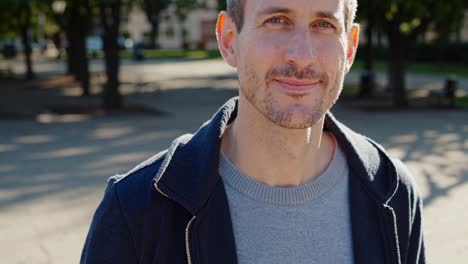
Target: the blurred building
pixel 199 27
pixel 136 24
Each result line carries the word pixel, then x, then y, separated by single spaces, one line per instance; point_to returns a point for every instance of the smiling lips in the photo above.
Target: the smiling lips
pixel 297 86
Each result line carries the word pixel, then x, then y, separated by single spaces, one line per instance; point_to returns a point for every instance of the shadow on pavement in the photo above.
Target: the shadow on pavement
pixel 43 159
pixel 434 144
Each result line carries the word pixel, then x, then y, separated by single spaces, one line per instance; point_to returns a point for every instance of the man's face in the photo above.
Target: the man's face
pixel 292 57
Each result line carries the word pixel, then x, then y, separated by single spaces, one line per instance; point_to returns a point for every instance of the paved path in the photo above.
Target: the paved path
pixel 53 169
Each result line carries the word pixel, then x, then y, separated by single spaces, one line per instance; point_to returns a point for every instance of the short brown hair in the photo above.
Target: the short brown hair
pixel 235 8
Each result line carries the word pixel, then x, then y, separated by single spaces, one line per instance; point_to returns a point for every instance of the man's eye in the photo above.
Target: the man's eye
pixel 324 24
pixel 276 20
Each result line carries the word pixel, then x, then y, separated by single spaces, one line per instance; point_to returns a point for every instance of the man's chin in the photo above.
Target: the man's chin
pixel 296 120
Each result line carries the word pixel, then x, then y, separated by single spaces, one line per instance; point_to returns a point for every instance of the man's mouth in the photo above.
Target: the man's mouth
pixel 298 86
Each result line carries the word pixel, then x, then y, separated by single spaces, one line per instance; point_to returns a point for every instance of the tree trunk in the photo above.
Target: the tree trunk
pixel 80 30
pixel 367 79
pixel 155 32
pixel 25 39
pixel 400 44
pixel 111 22
pixel 71 51
pixel 369 61
pixel 74 28
pixel 458 33
pixel 396 68
pixel 185 43
pixel 71 31
pixel 182 19
pixel 82 63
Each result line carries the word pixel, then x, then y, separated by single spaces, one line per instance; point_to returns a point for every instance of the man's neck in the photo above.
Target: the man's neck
pixel 274 155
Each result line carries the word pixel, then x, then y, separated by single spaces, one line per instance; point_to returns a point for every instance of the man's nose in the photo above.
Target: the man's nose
pixel 300 49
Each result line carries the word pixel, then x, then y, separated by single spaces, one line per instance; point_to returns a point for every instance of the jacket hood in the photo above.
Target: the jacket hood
pixel 188 176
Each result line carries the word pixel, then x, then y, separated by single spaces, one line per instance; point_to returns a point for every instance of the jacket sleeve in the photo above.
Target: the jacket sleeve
pixel 109 239
pixel 415 251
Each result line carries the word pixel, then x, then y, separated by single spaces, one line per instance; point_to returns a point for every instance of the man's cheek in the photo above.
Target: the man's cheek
pixel 267 44
pixel 331 58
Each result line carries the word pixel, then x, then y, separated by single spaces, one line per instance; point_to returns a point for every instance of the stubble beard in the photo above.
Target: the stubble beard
pixel 269 106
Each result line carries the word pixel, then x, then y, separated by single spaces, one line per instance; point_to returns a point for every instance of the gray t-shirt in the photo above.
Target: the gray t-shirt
pixel 309 223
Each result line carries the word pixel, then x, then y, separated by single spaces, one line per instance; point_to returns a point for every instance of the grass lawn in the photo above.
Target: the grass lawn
pixel 428 68
pixel 350 90
pixel 175 54
pixel 462 101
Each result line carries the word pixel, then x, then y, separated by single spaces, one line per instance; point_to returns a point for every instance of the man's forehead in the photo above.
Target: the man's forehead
pixel 300 7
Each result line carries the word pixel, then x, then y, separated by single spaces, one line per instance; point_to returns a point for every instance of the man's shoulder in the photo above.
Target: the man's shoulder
pixel 406 180
pixel 138 178
pixel 404 177
pixel 144 174
pixel 145 166
pixel 388 183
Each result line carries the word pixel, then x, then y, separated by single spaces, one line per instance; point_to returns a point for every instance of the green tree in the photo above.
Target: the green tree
pixel 366 13
pixel 5 27
pixel 76 22
pixel 153 9
pixel 404 22
pixel 19 18
pixel 78 17
pixel 110 13
pixel 79 23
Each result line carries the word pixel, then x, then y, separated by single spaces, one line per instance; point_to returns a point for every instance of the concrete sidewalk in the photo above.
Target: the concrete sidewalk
pixel 53 170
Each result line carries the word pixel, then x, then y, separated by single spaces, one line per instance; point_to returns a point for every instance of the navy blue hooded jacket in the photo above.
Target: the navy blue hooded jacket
pixel 173 207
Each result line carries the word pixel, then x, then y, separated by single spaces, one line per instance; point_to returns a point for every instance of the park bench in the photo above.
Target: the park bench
pixel 448 92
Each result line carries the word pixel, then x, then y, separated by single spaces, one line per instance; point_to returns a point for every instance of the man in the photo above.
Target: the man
pixel 273 177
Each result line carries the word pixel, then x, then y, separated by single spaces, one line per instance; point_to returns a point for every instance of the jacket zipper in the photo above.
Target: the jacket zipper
pixel 187 229
pixel 187 240
pixel 159 190
pixel 394 242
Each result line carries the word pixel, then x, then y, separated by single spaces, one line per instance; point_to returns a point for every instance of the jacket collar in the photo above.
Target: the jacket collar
pixel 189 171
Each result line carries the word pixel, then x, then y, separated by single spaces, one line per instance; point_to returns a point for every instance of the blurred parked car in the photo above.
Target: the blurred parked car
pixel 125 43
pixel 94 44
pixel 8 51
pixel 18 46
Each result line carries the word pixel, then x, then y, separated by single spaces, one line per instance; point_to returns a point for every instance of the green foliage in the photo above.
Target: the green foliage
pixel 7 22
pixel 413 17
pixel 183 7
pixel 174 54
pixel 404 22
pixel 153 8
pixel 17 13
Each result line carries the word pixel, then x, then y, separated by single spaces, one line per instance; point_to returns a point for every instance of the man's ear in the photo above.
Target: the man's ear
pixel 353 41
pixel 226 33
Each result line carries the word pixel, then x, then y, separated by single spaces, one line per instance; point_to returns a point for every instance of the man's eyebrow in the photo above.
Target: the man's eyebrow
pixel 275 10
pixel 279 9
pixel 328 15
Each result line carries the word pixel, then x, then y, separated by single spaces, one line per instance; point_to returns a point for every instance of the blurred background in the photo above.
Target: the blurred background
pixel 90 88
